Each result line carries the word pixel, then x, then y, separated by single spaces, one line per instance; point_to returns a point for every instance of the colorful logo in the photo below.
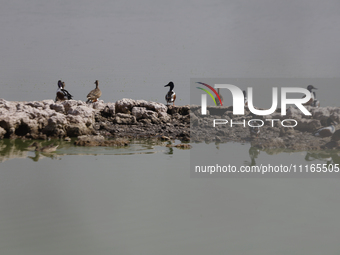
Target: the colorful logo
pixel 208 92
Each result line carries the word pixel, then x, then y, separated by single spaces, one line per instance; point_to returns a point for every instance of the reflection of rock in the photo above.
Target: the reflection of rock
pixel 183 146
pixel 90 140
pixel 10 149
pixel 2 132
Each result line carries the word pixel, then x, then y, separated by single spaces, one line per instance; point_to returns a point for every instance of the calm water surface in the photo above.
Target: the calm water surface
pixel 142 200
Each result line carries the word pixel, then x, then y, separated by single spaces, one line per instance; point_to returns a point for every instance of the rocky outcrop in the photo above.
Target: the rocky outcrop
pixel 125 118
pixel 128 118
pixel 277 130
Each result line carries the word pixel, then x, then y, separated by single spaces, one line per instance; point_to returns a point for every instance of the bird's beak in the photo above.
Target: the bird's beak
pixel 166 85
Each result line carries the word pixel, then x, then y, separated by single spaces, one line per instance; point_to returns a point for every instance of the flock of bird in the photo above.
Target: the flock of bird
pixel 62 94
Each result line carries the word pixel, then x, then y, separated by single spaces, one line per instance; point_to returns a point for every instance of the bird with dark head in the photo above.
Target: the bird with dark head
pixel 326 131
pixel 245 98
pixel 94 94
pixel 316 102
pixel 62 94
pixel 310 88
pixel 170 97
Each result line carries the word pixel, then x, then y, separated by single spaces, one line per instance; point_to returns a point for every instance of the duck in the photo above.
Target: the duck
pixel 221 97
pixel 254 129
pixel 62 94
pixel 245 98
pixel 170 97
pixel 46 149
pixel 311 100
pixel 316 102
pixel 94 94
pixel 326 131
pixel 336 136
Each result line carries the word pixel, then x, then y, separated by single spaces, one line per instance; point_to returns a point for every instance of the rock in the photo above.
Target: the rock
pixel 163 116
pixel 138 112
pixel 294 113
pixel 308 125
pixel 286 131
pixel 58 107
pixel 109 110
pixel 71 103
pixel 122 118
pixel 125 105
pixel 320 113
pixel 83 111
pixel 153 106
pixel 194 120
pixel 99 105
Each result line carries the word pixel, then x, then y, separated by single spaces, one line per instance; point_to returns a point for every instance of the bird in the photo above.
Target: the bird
pixel 336 136
pixel 46 149
pixel 326 131
pixel 245 98
pixel 254 128
pixel 62 94
pixel 221 97
pixel 170 97
pixel 94 94
pixel 316 102
pixel 311 100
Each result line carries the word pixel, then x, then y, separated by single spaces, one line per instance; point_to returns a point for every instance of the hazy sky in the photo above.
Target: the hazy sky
pixel 138 46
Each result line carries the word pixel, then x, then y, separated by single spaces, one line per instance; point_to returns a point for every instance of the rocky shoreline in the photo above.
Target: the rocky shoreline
pixel 139 119
pixel 126 118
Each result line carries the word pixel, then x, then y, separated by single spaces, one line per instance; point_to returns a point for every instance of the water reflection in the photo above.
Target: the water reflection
pixel 330 157
pixel 253 154
pixel 41 155
pixel 18 148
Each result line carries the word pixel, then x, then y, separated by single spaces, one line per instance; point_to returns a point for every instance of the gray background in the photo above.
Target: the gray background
pixel 134 48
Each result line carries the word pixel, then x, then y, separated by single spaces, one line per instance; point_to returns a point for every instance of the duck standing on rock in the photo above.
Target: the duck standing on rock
pixel 62 94
pixel 170 97
pixel 94 94
pixel 311 100
pixel 316 102
pixel 245 98
pixel 326 131
pixel 221 97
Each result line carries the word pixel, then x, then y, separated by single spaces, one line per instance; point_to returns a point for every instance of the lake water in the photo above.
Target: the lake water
pixel 142 199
